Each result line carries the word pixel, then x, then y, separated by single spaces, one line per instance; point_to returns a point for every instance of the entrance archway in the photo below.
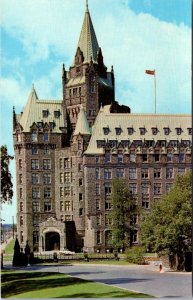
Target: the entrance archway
pixel 52 241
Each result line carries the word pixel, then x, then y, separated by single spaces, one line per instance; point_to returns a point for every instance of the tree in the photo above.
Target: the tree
pixel 124 211
pixel 6 182
pixel 168 228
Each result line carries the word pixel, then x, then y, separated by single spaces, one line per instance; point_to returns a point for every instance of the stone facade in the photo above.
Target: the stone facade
pixel 68 151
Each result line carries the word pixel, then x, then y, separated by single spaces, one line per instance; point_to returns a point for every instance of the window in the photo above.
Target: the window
pixel 45 113
pixel 142 130
pixel 80 182
pixel 20 164
pixel 97 173
pixel 157 157
pixel 169 173
pixel 66 191
pixel 120 173
pixel 100 143
pixel 189 131
pixel 61 206
pixel 67 177
pixel 108 173
pixel 34 150
pixel 108 237
pixel 178 131
pixel 181 157
pixel 106 130
pixel 144 173
pixel 144 157
pixel 107 157
pixel 20 178
pixel 161 143
pixel 21 237
pixel 35 220
pixel 80 211
pixel 157 188
pixel 130 130
pixel 132 173
pixel 154 130
pixel 108 188
pixel 133 188
pixel 181 170
pixel 46 136
pixel 132 157
pixel 20 193
pixel 166 130
pixel 118 130
pixel 47 206
pixel 61 191
pixel 35 206
pixel 108 220
pixel 35 237
pixel 145 188
pixel 34 136
pixel 68 218
pixel 47 164
pixel 185 143
pixel 97 204
pixel 61 177
pixel 21 206
pixel 56 114
pixel 168 187
pixel 21 220
pixel 157 173
pixel 134 219
pixel 149 143
pixel 134 236
pixel 46 150
pixel 67 205
pixel 97 159
pixel 47 192
pixel 80 197
pixel 47 178
pixel 120 158
pixel 169 156
pixel 67 163
pixel 98 237
pixel 145 202
pixel 35 192
pixel 80 167
pixel 60 163
pixel 98 220
pixel 108 204
pixel 79 145
pixel 97 189
pixel 34 164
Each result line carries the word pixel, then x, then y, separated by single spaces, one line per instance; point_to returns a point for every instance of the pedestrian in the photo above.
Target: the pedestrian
pixel 160 267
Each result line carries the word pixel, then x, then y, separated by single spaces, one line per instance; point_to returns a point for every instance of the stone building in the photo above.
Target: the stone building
pixel 67 152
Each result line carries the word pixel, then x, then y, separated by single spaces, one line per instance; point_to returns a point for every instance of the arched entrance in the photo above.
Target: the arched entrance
pixel 52 241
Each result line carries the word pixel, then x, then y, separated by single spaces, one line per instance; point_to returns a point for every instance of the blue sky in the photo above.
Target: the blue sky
pixel 38 36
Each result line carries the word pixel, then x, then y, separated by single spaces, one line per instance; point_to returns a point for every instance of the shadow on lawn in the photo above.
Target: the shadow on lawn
pixel 14 284
pixel 115 294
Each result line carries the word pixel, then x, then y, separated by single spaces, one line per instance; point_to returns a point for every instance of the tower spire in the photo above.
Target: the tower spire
pixel 86 5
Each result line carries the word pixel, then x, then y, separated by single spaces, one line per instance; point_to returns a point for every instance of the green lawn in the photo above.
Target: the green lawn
pixel 9 249
pixel 20 284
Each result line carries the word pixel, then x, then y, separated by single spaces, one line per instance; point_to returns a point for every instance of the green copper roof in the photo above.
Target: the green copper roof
pixel 88 42
pixel 82 126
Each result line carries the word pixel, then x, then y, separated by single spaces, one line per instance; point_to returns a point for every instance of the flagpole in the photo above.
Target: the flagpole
pixel 155 88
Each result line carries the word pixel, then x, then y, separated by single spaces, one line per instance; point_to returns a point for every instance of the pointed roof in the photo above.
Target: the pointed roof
pixel 88 42
pixel 82 126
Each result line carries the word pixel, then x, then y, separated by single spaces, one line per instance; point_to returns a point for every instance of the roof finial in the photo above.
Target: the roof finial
pixel 86 5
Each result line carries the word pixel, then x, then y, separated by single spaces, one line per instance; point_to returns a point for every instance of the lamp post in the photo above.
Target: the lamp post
pixel 13 226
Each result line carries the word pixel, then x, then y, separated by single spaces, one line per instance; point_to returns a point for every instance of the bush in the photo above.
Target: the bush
pixel 135 255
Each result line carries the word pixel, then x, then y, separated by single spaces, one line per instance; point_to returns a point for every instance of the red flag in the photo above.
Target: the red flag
pixel 149 72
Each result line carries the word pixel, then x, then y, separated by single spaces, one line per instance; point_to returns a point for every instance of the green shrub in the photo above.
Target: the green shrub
pixel 135 255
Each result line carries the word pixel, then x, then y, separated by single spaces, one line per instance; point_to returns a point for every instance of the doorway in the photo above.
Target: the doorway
pixel 52 241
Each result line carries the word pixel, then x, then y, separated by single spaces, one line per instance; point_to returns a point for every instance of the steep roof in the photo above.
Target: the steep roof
pixel 82 126
pixel 33 112
pixel 88 42
pixel 105 119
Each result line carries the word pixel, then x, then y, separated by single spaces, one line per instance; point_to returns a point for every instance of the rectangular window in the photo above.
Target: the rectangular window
pixel 168 187
pixel 97 204
pixel 61 177
pixel 166 131
pixel 97 189
pixel 157 188
pixel 21 220
pixel 134 219
pixel 108 204
pixel 132 173
pixel 80 211
pixel 21 237
pixel 68 218
pixel 108 188
pixel 107 157
pixel 20 178
pixel 47 192
pixel 144 173
pixel 20 164
pixel 108 220
pixel 35 178
pixel 133 188
pixel 98 237
pixel 34 164
pixel 21 206
pixel 130 130
pixel 80 182
pixel 47 206
pixel 190 131
pixel 157 157
pixel 47 164
pixel 47 178
pixel 34 150
pixel 118 130
pixel 66 191
pixel 97 173
pixel 145 202
pixel 169 173
pixel 35 237
pixel 135 236
pixel 145 188
pixel 67 163
pixel 61 205
pixel 35 206
pixel 20 193
pixel 98 220
pixel 60 163
pixel 169 156
pixel 34 136
pixel 56 114
pixel 144 157
pixel 181 157
pixel 67 177
pixel 108 173
pixel 157 173
pixel 35 220
pixel 45 113
pixel 120 172
pixel 46 136
pixel 132 157
pixel 61 191
pixel 46 150
pixel 80 167
pixel 35 193
pixel 80 197
pixel 67 205
pixel 97 159
pixel 181 170
pixel 120 158
pixel 142 130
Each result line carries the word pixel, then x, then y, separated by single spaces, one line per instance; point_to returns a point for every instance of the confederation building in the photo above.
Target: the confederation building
pixel 67 152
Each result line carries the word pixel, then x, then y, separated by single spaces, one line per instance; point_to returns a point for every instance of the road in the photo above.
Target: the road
pixel 142 279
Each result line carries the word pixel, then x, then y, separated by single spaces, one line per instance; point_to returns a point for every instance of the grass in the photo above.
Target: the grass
pixel 9 248
pixel 20 284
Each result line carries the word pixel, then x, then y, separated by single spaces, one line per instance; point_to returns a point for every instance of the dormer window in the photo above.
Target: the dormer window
pixel 178 130
pixel 142 130
pixel 106 130
pixel 190 131
pixel 118 130
pixel 51 125
pixel 173 143
pixel 40 124
pixel 34 136
pixel 56 114
pixel 154 130
pixel 130 130
pixel 46 136
pixel 166 130
pixel 45 113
